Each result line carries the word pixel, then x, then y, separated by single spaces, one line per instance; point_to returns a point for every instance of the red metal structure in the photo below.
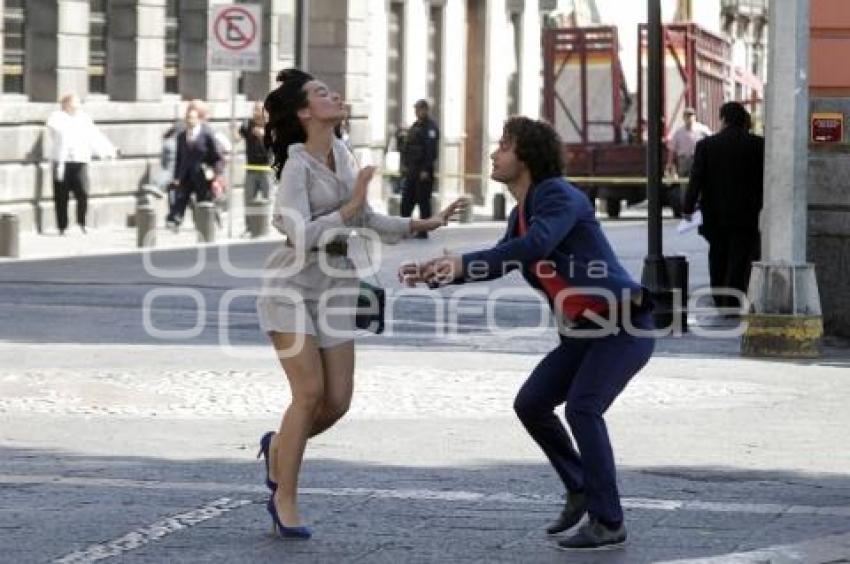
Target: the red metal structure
pixel 698 74
pixel 585 98
pixel 580 48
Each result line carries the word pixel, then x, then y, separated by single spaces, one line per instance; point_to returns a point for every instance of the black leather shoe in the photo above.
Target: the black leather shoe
pixel 595 536
pixel 573 511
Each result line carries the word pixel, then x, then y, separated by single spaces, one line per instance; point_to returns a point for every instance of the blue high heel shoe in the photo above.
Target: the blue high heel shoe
pixel 265 445
pixel 294 533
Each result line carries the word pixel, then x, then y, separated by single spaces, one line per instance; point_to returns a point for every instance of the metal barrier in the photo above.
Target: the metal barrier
pixel 145 226
pixel 205 219
pixel 9 242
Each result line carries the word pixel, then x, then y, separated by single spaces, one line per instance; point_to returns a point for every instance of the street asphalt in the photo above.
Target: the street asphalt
pixel 121 445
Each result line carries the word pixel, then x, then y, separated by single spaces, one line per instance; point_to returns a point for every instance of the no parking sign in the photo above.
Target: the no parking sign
pixel 235 35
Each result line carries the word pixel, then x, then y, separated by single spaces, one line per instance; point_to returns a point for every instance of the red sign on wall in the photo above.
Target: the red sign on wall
pixel 827 127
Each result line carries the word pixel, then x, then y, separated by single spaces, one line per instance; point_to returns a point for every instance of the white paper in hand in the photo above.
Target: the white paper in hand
pixel 685 225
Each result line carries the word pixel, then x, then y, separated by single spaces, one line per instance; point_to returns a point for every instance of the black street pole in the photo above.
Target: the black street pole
pixel 653 147
pixel 655 277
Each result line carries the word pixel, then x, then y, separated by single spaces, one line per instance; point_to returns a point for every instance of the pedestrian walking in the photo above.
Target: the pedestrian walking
pixel 553 237
pixel 75 140
pixel 419 156
pixel 197 164
pixel 682 142
pixel 257 168
pixel 306 308
pixel 727 184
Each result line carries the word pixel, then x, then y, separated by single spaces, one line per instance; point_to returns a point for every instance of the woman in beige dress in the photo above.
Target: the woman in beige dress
pixel 320 198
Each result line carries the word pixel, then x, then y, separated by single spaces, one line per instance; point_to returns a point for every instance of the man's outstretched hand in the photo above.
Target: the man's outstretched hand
pixel 436 272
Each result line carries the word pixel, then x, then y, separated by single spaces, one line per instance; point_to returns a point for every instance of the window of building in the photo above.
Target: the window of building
pixel 435 60
pixel 172 47
pixel 14 20
pixel 395 67
pixel 97 46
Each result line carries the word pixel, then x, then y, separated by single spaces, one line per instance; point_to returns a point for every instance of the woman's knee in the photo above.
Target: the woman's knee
pixel 336 408
pixel 310 396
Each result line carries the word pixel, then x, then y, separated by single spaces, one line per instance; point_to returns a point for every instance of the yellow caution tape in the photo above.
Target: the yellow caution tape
pixel 627 180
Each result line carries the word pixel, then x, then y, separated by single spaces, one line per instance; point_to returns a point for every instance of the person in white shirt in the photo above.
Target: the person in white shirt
pixel 75 140
pixel 682 143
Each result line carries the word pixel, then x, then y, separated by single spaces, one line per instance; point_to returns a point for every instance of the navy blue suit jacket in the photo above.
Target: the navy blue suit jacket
pixel 561 228
pixel 187 165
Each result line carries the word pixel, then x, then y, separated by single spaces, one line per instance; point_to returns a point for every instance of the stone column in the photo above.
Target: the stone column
pixel 415 57
pixel 196 79
pixel 278 48
pixel 57 46
pixel 531 66
pixel 338 38
pixel 136 53
pixel 2 32
pixel 499 46
pixel 453 98
pixel 786 319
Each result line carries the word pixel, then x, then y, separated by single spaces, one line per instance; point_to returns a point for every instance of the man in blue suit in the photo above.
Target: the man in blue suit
pixel 604 322
pixel 197 163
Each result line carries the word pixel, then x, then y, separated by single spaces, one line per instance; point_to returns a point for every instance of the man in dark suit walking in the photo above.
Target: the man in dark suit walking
pixel 727 184
pixel 197 163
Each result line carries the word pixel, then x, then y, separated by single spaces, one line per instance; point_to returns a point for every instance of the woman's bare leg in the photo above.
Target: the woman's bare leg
pixel 306 381
pixel 338 364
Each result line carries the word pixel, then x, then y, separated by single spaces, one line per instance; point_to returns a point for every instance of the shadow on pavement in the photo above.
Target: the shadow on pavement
pixel 158 510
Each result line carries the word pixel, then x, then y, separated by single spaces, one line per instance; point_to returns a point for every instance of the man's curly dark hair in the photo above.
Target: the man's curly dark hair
pixel 537 145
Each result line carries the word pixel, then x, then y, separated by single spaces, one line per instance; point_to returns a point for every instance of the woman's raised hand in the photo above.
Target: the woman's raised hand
pixel 452 210
pixel 360 192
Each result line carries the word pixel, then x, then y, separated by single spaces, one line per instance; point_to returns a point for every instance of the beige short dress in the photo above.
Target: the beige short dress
pixel 306 290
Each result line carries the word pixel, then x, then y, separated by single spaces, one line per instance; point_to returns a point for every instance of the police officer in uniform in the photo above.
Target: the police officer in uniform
pixel 419 156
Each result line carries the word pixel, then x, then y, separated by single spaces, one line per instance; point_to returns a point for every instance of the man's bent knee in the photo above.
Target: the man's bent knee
pixel 528 407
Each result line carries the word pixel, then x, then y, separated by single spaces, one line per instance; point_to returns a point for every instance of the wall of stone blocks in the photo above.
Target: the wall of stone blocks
pixel 136 129
pixel 828 245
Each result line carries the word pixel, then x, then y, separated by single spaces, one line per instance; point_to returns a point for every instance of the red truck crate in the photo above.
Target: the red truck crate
pixel 585 99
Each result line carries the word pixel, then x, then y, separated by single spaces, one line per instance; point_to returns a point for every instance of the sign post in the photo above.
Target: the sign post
pixel 235 37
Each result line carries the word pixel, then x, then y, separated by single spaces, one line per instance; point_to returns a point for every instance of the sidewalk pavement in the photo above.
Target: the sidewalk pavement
pixel 146 453
pixel 115 239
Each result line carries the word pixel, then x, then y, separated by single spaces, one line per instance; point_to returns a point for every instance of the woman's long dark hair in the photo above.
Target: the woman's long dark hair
pixel 283 127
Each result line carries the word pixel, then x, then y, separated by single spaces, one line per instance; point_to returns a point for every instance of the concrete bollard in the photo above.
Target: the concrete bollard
pixel 145 226
pixel 205 221
pixel 257 218
pixel 466 214
pixel 9 242
pixel 499 207
pixel 436 201
pixel 394 205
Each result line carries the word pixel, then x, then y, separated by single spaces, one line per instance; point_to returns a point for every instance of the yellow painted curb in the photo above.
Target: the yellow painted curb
pixel 772 335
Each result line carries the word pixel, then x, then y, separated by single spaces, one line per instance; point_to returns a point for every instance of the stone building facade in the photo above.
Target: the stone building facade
pixel 828 244
pixel 136 63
